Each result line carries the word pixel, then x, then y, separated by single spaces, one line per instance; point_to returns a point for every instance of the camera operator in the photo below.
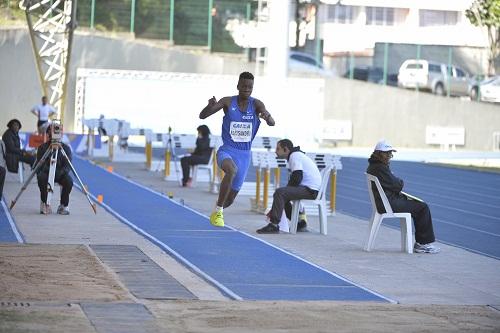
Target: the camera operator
pixel 62 175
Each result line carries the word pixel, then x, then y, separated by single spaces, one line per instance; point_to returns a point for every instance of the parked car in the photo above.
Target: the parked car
pixel 487 90
pixel 434 77
pixel 300 62
pixel 371 74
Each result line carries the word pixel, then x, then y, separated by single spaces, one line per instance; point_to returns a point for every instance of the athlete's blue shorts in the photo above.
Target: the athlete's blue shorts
pixel 242 160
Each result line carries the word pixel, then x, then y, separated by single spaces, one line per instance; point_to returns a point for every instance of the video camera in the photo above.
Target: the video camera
pixel 56 131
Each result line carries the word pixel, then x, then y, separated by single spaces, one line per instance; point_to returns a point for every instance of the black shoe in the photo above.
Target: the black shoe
pixel 271 228
pixel 302 226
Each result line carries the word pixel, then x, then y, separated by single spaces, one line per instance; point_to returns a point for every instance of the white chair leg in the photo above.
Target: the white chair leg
pixel 210 181
pixel 406 235
pixel 194 175
pixel 21 172
pixel 295 216
pixel 372 231
pixel 323 219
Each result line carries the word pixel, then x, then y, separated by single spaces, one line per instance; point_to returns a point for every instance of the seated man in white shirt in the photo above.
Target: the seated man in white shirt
pixel 304 183
pixel 44 112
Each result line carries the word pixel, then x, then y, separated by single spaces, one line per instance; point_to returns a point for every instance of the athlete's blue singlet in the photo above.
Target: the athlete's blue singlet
pixel 240 126
pixel 238 131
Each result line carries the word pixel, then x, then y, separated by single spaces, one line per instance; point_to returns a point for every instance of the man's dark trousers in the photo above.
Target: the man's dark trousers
pixel 282 197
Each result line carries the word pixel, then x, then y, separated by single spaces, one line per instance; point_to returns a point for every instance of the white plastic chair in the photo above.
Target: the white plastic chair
pixel 3 151
pixel 320 201
pixel 208 167
pixel 376 219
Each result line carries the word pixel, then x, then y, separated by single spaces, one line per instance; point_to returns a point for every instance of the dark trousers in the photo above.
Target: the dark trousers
pixel 421 214
pixel 29 159
pixel 188 161
pixel 282 197
pixel 2 180
pixel 65 181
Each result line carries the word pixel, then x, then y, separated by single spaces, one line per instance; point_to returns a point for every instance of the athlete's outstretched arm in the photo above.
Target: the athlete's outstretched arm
pixel 212 107
pixel 260 108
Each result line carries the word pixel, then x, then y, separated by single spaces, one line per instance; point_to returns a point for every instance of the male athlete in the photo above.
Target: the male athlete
pixel 239 126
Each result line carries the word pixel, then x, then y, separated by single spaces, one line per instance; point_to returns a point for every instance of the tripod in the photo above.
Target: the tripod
pixel 171 152
pixel 53 151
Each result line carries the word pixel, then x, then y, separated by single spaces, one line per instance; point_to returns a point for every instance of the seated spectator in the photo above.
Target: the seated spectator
pixel 13 151
pixel 200 155
pixel 62 177
pixel 378 166
pixel 304 183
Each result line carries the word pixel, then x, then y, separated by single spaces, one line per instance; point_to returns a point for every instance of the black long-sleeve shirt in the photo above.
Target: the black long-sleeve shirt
pixel 62 166
pixel 391 184
pixel 203 148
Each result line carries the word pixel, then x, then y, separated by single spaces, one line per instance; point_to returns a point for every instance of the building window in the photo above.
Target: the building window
pixel 437 17
pixel 379 16
pixel 340 14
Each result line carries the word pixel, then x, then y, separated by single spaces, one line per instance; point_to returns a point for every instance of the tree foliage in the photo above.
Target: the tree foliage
pixel 486 13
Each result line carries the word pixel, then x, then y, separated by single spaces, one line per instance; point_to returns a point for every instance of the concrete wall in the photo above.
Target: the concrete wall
pixel 401 115
pixel 375 111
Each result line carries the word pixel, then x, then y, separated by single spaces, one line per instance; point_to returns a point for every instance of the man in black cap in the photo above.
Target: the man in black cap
pixel 13 151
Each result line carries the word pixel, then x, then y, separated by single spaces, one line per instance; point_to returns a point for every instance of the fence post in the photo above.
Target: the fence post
pixel 92 14
pixel 418 58
pixel 210 6
pixel 171 29
pixel 351 66
pixel 318 51
pixel 386 59
pixel 248 12
pixel 450 55
pixel 132 16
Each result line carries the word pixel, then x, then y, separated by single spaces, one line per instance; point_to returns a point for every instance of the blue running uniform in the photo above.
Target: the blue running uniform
pixel 238 131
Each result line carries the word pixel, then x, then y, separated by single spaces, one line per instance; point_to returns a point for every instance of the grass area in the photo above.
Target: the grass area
pixel 11 14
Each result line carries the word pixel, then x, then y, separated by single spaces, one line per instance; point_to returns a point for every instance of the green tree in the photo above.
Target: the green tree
pixel 486 13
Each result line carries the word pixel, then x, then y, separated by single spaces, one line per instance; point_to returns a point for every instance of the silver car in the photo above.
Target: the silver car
pixel 434 77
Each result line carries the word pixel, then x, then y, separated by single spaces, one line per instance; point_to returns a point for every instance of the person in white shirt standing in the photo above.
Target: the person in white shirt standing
pixel 43 112
pixel 304 183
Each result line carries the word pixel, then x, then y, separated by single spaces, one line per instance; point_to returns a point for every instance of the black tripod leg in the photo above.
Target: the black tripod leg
pixel 80 181
pixel 33 173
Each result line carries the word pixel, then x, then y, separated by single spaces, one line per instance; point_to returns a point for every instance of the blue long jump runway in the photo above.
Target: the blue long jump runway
pixel 241 266
pixel 8 229
pixel 465 204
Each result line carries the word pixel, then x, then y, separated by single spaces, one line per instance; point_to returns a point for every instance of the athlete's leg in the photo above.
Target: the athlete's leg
pixel 230 198
pixel 230 170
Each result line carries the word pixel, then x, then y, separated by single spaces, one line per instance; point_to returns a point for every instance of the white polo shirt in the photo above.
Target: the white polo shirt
pixel 43 111
pixel 311 177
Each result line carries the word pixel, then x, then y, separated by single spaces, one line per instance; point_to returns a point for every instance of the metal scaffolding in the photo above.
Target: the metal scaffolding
pixel 51 24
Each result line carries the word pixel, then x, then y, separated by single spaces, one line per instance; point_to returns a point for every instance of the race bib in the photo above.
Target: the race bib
pixel 240 131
